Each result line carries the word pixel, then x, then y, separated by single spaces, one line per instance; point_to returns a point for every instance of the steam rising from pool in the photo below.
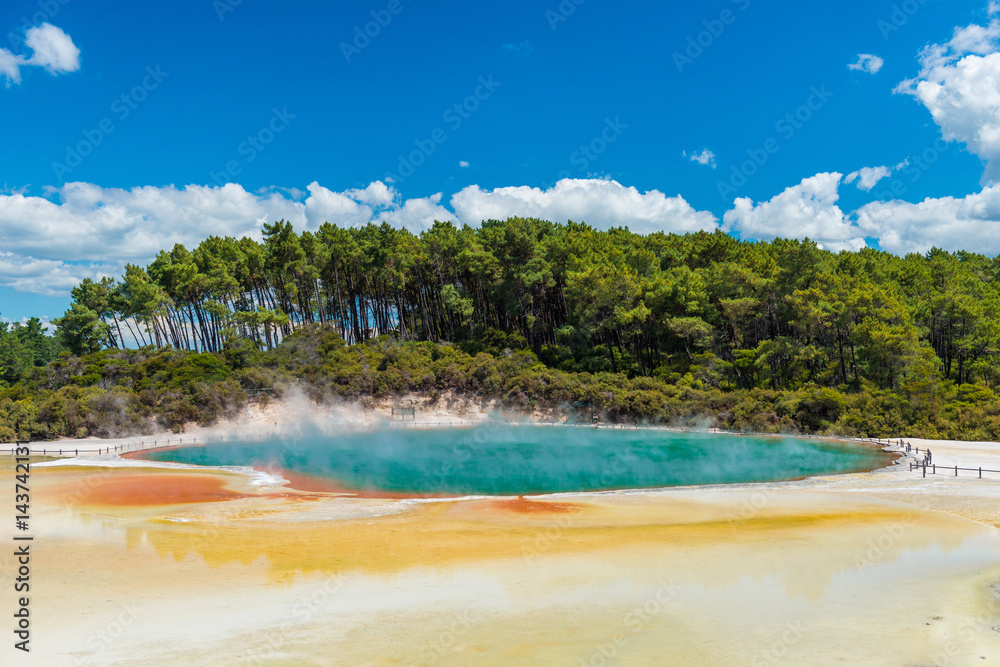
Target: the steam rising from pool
pixel 515 460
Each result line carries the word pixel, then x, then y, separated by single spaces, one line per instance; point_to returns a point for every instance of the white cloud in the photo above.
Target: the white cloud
pixel 82 230
pixel 967 223
pixel 867 63
pixel 808 209
pixel 601 203
pixel 419 214
pixel 52 49
pixel 10 66
pixel 868 177
pixel 994 7
pixel 47 276
pixel 463 164
pixel 959 83
pixel 86 223
pixel 376 203
pixel 325 205
pixel 376 194
pixel 705 157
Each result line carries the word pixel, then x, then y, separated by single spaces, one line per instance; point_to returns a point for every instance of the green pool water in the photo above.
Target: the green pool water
pixel 513 460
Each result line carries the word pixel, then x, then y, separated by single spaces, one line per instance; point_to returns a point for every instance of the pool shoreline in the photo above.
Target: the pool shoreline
pixel 297 480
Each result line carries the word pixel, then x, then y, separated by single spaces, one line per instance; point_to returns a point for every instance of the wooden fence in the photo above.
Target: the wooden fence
pixel 122 447
pixel 932 468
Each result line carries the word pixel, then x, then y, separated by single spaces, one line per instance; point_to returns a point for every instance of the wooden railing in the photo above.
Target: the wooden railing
pixel 47 450
pixel 932 468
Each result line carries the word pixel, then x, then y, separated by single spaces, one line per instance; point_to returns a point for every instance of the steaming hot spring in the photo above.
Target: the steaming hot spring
pixel 516 460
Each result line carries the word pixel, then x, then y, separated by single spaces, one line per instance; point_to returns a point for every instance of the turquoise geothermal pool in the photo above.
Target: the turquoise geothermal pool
pixel 515 460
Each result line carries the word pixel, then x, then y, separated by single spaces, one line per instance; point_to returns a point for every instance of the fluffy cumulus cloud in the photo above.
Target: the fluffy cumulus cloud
pixel 51 48
pixel 868 177
pixel 867 63
pixel 808 209
pixel 601 203
pixel 82 230
pixel 967 223
pixel 81 221
pixel 47 276
pixel 959 83
pixel 705 157
pixel 376 203
pixel 10 66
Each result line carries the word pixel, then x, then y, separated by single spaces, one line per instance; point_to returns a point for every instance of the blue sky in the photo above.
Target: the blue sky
pixel 276 99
